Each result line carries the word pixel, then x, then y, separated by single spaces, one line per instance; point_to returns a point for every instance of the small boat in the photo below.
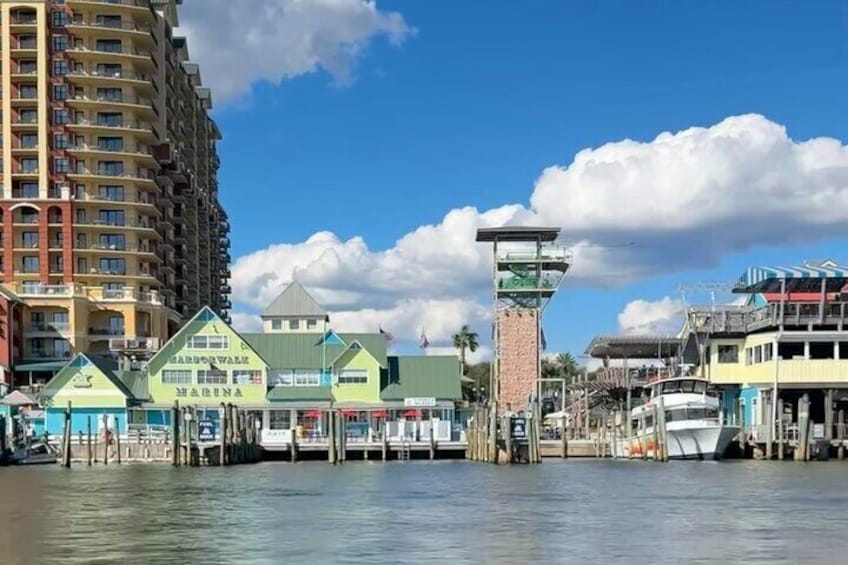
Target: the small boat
pixel 38 453
pixel 694 426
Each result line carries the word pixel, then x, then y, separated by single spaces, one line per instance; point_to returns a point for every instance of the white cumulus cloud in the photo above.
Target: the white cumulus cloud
pixel 658 317
pixel 240 42
pixel 631 209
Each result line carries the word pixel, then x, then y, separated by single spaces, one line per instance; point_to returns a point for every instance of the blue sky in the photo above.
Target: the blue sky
pixel 472 106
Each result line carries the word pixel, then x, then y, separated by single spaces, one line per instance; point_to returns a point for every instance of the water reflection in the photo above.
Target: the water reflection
pixel 456 512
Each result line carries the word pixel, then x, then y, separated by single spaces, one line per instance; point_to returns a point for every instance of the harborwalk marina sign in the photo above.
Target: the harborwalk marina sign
pixel 209 392
pixel 209 359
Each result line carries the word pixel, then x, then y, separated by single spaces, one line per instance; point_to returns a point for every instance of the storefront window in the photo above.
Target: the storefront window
pixel 172 377
pixel 241 377
pixel 280 420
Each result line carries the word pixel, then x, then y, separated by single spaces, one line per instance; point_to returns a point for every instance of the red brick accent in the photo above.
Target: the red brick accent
pixel 518 356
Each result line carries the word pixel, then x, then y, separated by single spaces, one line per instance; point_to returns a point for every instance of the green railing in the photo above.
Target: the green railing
pixel 527 283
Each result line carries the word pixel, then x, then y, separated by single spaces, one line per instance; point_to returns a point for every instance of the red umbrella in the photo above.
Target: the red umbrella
pixel 313 414
pixel 349 413
pixel 412 414
pixel 380 414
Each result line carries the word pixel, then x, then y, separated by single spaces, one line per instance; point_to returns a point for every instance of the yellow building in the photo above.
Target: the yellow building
pixel 110 222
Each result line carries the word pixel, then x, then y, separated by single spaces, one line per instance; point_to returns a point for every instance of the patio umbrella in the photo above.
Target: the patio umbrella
pixel 313 414
pixel 349 413
pixel 380 414
pixel 412 414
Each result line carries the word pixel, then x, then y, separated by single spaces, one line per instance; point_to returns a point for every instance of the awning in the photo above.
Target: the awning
pixel 805 278
pixel 412 414
pixel 380 414
pixel 43 366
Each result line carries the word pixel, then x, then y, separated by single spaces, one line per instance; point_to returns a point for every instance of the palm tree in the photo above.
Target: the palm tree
pixel 465 340
pixel 567 364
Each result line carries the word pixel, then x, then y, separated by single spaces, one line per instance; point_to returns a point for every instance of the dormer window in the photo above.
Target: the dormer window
pixel 294 324
pixel 311 324
pixel 277 325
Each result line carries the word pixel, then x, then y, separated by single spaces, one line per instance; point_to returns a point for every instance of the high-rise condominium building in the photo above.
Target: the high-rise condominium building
pixel 111 228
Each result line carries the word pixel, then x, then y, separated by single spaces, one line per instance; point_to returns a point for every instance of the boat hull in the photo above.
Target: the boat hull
pixel 689 442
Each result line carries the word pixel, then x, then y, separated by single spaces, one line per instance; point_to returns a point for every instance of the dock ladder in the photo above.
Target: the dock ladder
pixel 405 450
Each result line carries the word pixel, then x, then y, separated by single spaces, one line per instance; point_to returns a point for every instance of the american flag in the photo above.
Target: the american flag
pixel 425 343
pixel 386 335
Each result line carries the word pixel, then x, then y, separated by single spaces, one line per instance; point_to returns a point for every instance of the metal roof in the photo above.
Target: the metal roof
pixel 807 277
pixel 634 347
pixel 517 233
pixel 429 376
pixel 294 301
pixel 304 351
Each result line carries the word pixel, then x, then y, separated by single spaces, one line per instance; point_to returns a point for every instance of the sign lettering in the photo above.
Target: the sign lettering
pixel 81 380
pixel 209 359
pixel 206 392
pixel 419 402
pixel 206 430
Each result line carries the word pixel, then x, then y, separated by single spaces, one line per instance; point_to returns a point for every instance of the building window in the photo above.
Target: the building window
pixel 29 239
pixel 60 92
pixel 60 116
pixel 758 354
pixel 767 352
pixel 60 42
pixel 208 342
pixel 28 190
pixel 60 141
pixel 60 19
pixel 176 377
pixel 113 266
pixel 28 91
pixel 109 45
pixel 29 165
pixel 276 324
pixel 245 377
pixel 29 264
pixel 110 143
pixel 110 94
pixel 110 119
pixel 60 67
pixel 112 217
pixel 29 140
pixel 110 168
pixel 114 241
pixel 311 324
pixel 110 69
pixel 294 324
pixel 111 192
pixel 728 353
pixel 281 377
pixel 280 420
pixel 353 376
pixel 307 378
pixel 211 377
pixel 61 165
pixel 28 117
pixel 109 21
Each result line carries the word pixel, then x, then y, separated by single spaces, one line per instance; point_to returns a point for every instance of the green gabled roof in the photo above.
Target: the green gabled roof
pixel 105 365
pixel 429 376
pixel 136 382
pixel 279 393
pixel 303 351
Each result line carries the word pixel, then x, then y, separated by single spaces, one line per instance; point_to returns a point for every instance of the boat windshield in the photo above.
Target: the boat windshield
pixel 683 385
pixel 678 414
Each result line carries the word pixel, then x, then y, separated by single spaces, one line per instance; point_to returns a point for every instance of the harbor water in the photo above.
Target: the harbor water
pixel 433 512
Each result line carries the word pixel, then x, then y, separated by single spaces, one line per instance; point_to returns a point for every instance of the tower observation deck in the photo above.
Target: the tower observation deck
pixel 528 267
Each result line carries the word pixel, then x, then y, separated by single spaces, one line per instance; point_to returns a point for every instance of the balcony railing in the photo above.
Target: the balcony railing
pixel 122 74
pixel 137 150
pixel 106 331
pixel 146 126
pixel 120 51
pixel 115 99
pixel 110 24
pixel 49 326
pixel 743 319
pixel 115 223
pixel 47 354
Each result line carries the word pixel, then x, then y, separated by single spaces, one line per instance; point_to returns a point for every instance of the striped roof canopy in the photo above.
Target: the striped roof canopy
pixel 805 278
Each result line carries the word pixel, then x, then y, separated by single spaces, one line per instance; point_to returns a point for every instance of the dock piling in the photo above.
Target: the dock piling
pixel 66 439
pixel 89 442
pixel 840 434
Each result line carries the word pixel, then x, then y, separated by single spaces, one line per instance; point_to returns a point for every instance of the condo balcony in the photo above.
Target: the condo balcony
pixel 130 55
pixel 102 25
pixel 142 107
pixel 141 82
pixel 141 224
pixel 138 9
pixel 23 21
pixel 143 130
pixel 116 175
pixel 141 154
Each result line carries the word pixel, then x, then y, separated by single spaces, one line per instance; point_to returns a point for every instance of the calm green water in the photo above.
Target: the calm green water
pixel 448 512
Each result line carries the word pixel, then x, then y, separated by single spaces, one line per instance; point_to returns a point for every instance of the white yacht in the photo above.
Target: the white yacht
pixel 693 422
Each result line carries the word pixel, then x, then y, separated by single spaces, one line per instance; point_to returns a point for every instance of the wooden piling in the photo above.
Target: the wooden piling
pixel 781 441
pixel 840 435
pixel 222 432
pixel 118 439
pixel 802 449
pixel 89 442
pixel 564 438
pixel 175 434
pixel 828 415
pixel 767 405
pixel 506 425
pixel 432 441
pixel 331 438
pixel 643 435
pixel 385 443
pixel 105 419
pixel 66 439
